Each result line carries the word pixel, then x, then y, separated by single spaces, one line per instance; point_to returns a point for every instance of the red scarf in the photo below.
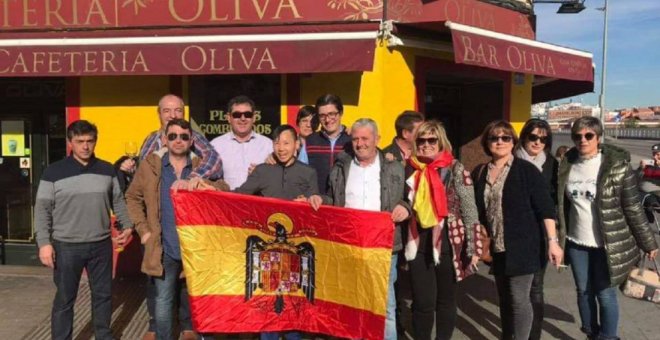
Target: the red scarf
pixel 429 169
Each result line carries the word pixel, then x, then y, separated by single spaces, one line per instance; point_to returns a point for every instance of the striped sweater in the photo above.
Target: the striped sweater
pixel 74 202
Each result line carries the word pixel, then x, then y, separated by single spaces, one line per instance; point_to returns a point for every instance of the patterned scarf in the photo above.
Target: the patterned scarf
pixel 430 201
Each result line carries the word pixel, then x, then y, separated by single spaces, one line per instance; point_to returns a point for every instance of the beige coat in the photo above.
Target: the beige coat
pixel 143 202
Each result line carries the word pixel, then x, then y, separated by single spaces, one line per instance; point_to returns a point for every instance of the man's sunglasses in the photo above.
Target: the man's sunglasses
pixel 239 114
pixel 504 139
pixel 172 136
pixel 578 136
pixel 430 141
pixel 533 138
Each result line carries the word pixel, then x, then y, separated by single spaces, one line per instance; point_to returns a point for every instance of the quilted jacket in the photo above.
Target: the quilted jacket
pixel 623 224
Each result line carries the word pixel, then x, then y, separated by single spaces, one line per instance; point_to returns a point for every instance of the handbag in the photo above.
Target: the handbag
pixel 643 283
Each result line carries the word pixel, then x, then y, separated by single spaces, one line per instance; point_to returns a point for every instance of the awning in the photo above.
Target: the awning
pixel 479 47
pixel 293 49
pixel 546 89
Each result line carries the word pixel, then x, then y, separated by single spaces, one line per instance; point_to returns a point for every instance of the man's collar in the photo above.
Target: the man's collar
pixel 341 131
pixel 166 159
pixel 233 136
pixel 91 162
pixel 375 161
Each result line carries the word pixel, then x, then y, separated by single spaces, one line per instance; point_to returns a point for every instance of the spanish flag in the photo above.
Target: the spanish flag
pixel 255 264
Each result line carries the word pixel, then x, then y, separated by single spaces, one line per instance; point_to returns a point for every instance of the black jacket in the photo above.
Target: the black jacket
pixel 322 157
pixel 526 202
pixel 623 224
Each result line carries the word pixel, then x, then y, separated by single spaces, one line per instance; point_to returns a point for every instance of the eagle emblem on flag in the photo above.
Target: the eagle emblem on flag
pixel 278 266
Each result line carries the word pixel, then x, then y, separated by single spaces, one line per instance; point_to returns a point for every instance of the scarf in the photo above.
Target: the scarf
pixel 538 161
pixel 430 200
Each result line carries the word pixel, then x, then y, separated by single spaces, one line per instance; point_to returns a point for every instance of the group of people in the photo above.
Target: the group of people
pixel 533 209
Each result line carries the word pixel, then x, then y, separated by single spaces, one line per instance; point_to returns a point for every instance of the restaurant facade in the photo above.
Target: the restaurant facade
pixel 464 62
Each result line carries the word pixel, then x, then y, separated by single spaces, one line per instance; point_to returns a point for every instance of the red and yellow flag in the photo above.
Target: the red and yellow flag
pixel 257 264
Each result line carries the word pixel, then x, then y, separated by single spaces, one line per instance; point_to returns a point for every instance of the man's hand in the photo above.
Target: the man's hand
pixel 315 201
pixel 652 254
pixel 399 213
pixel 270 160
pixel 180 184
pixel 124 237
pixel 145 237
pixel 47 256
pixel 555 253
pixel 251 168
pixel 128 165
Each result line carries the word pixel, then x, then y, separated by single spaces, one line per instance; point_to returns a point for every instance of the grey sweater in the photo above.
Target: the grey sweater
pixel 278 181
pixel 74 202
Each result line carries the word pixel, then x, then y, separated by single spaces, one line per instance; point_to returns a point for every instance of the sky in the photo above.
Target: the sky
pixel 633 47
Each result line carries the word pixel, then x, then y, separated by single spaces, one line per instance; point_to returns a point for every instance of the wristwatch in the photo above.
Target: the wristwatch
pixel 553 239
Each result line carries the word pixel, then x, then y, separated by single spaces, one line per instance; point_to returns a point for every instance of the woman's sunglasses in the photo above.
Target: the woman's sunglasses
pixel 504 139
pixel 533 138
pixel 578 136
pixel 430 141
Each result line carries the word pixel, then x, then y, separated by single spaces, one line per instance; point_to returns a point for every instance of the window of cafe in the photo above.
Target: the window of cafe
pixel 209 96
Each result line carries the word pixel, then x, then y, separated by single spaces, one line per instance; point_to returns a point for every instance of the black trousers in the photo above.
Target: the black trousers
pixel 70 260
pixel 434 296
pixel 536 295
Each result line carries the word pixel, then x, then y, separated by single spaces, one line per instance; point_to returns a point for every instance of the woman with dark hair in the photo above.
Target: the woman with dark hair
pixel 308 122
pixel 441 247
pixel 516 207
pixel 534 146
pixel 602 224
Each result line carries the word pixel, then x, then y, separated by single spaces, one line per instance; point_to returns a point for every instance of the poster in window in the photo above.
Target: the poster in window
pixel 13 138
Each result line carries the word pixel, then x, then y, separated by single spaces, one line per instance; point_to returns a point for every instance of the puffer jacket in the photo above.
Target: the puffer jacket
pixel 391 187
pixel 143 203
pixel 623 224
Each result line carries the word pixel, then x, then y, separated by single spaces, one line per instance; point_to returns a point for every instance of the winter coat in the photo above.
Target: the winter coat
pixel 623 224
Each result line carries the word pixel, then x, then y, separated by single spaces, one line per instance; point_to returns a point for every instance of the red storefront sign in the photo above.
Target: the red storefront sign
pixel 178 55
pixel 497 51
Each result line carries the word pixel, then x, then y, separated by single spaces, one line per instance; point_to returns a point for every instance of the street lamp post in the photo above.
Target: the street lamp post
pixel 601 98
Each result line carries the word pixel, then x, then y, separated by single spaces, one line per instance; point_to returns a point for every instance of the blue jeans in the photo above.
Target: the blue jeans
pixel 70 260
pixel 390 317
pixel 276 335
pixel 165 296
pixel 592 281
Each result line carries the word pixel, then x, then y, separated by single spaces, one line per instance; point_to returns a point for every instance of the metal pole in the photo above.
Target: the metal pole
pixel 601 99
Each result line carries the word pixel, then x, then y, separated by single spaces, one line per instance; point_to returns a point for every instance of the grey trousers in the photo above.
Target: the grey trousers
pixel 516 313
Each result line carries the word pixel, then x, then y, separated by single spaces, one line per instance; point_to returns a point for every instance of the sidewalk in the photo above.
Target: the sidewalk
pixel 27 294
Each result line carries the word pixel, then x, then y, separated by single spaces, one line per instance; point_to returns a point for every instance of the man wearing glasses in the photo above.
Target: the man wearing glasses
pixel 324 146
pixel 150 209
pixel 241 149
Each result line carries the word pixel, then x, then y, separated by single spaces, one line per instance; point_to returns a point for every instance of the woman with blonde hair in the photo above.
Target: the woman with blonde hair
pixel 440 246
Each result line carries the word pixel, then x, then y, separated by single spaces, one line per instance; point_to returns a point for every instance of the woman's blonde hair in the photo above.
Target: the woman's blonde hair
pixel 433 127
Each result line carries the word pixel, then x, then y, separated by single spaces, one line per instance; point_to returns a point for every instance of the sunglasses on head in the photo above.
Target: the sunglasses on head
pixel 578 136
pixel 239 114
pixel 504 139
pixel 172 136
pixel 430 141
pixel 533 138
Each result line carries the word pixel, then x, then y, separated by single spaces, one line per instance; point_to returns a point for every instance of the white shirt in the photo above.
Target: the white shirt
pixel 581 191
pixel 363 186
pixel 237 156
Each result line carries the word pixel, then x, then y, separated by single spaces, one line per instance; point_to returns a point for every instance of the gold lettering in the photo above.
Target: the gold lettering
pixel 526 65
pixel 214 14
pixel 230 52
pixel 90 61
pixel 513 49
pixel 139 60
pixel 108 57
pixel 260 10
pixel 248 65
pixel 468 52
pixel 5 16
pixel 52 62
pixel 26 11
pixel 97 11
pixel 551 66
pixel 237 10
pixel 493 56
pixel 55 12
pixel 184 57
pixel 177 17
pixel 74 12
pixel 481 55
pixel 290 5
pixel 37 60
pixel 266 57
pixel 20 61
pixel 123 61
pixel 72 59
pixel 8 56
pixel 539 62
pixel 213 66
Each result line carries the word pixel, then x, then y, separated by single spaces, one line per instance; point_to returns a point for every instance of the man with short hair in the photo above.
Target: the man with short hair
pixel 72 222
pixel 363 178
pixel 241 149
pixel 323 146
pixel 405 125
pixel 150 207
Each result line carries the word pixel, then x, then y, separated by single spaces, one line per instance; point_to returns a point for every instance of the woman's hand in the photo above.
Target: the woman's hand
pixel 474 262
pixel 399 213
pixel 555 253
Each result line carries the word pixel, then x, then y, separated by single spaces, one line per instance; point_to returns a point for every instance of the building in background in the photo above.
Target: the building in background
pixel 465 62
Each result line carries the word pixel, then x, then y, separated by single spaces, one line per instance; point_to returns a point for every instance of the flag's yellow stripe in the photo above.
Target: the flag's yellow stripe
pixel 214 262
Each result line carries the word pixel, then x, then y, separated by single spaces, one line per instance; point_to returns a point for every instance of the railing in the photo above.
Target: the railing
pixel 626 133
